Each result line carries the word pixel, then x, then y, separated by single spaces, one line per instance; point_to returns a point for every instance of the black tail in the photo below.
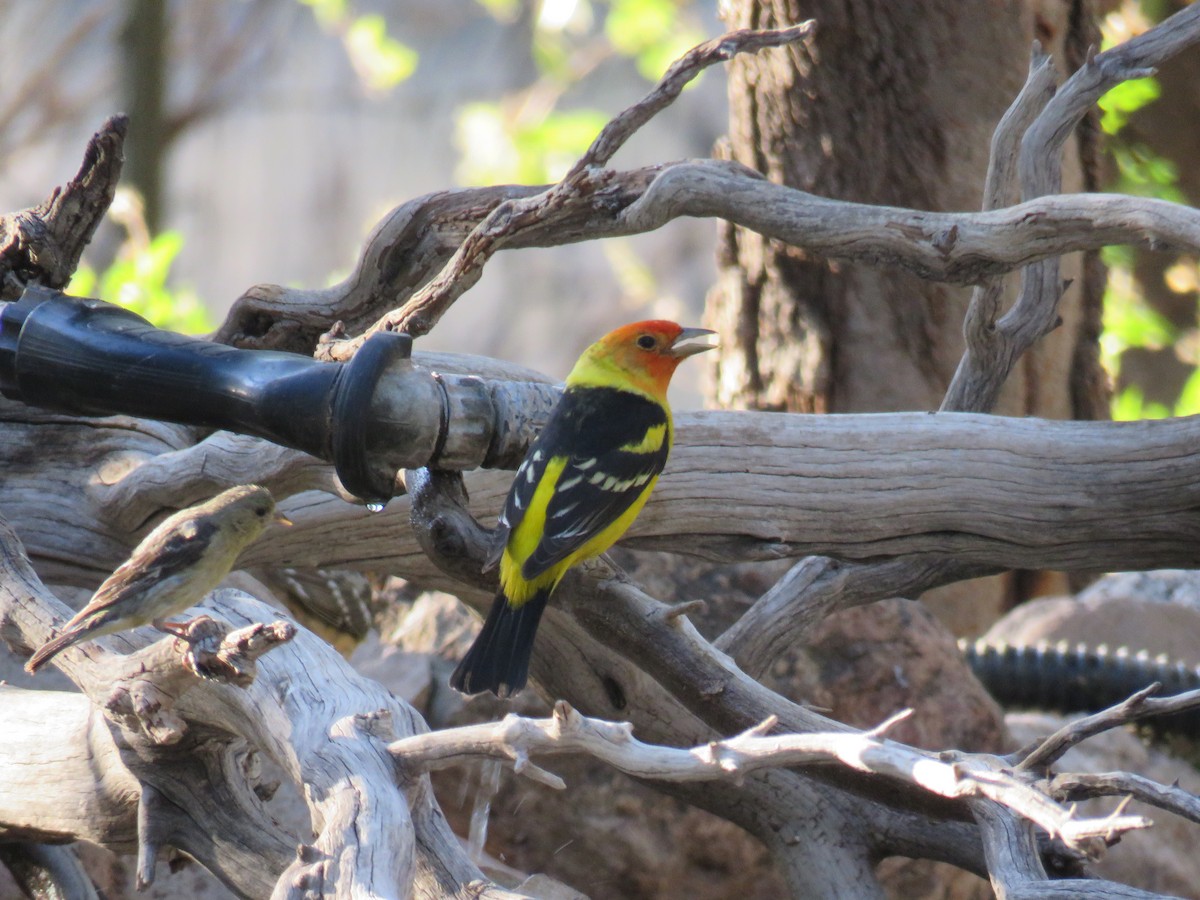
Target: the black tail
pixel 498 661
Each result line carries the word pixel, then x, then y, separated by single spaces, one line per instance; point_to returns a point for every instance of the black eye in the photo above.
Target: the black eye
pixel 646 342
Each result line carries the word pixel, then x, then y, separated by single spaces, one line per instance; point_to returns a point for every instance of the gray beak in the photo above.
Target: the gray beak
pixel 680 350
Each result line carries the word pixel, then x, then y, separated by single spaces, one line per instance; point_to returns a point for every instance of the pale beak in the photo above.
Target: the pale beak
pixel 281 519
pixel 680 350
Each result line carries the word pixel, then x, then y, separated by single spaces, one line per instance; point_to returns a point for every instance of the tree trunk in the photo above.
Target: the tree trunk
pixel 890 104
pixel 144 41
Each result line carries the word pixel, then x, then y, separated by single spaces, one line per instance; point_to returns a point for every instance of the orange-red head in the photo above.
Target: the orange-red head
pixel 641 357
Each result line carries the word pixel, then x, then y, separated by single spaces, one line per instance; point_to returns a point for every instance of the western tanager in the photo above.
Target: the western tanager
pixel 582 484
pixel 173 567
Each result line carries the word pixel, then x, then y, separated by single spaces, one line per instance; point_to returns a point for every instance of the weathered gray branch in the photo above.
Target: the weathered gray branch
pixel 1087 785
pixel 983 353
pixel 46 241
pixel 518 741
pixel 1124 495
pixel 1017 874
pixel 995 346
pixel 955 247
pixel 166 731
pixel 1136 707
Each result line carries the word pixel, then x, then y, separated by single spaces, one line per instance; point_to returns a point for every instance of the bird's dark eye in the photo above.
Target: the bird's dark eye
pixel 646 342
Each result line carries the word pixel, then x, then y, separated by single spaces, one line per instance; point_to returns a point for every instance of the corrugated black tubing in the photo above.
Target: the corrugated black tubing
pixel 1072 679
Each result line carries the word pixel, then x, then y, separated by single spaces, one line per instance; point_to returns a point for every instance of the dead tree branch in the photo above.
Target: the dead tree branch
pixel 518 741
pixel 983 245
pixel 44 243
pixel 1139 706
pixel 854 487
pixel 582 182
pixel 168 730
pixel 997 345
pixel 1073 786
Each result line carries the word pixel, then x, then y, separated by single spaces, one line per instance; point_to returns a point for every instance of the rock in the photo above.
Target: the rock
pixel 1154 611
pixel 869 663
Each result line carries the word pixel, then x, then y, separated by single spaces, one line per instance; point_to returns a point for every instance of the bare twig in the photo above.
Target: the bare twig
pixel 152 818
pixel 614 135
pixel 980 320
pixel 511 217
pixel 1087 785
pixel 516 740
pixel 1136 707
pixel 44 243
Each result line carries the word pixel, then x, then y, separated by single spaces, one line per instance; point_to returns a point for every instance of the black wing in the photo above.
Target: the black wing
pixel 596 430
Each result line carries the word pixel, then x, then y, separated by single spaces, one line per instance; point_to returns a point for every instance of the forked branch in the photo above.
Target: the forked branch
pixel 956 776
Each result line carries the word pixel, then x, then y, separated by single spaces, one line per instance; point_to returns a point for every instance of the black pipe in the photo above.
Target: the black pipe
pixel 88 357
pixel 1076 679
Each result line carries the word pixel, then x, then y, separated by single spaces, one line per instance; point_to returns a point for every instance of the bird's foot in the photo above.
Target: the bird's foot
pixel 179 629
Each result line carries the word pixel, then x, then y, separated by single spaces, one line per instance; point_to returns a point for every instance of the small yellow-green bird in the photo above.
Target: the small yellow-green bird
pixel 173 567
pixel 582 484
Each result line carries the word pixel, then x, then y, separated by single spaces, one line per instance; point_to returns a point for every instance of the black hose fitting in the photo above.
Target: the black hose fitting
pixel 88 357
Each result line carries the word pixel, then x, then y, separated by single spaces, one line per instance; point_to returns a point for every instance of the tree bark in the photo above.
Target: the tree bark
pixel 145 41
pixel 888 103
pixel 868 111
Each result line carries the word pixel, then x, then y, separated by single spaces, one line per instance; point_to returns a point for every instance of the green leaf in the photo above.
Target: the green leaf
pixel 1129 322
pixel 487 154
pixel 1126 99
pixel 1188 403
pixel 550 147
pixel 1143 173
pixel 1130 406
pixel 496 149
pixel 381 61
pixel 137 280
pixel 327 12
pixel 502 10
pixel 633 25
pixel 552 56
pixel 652 32
pixel 83 282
